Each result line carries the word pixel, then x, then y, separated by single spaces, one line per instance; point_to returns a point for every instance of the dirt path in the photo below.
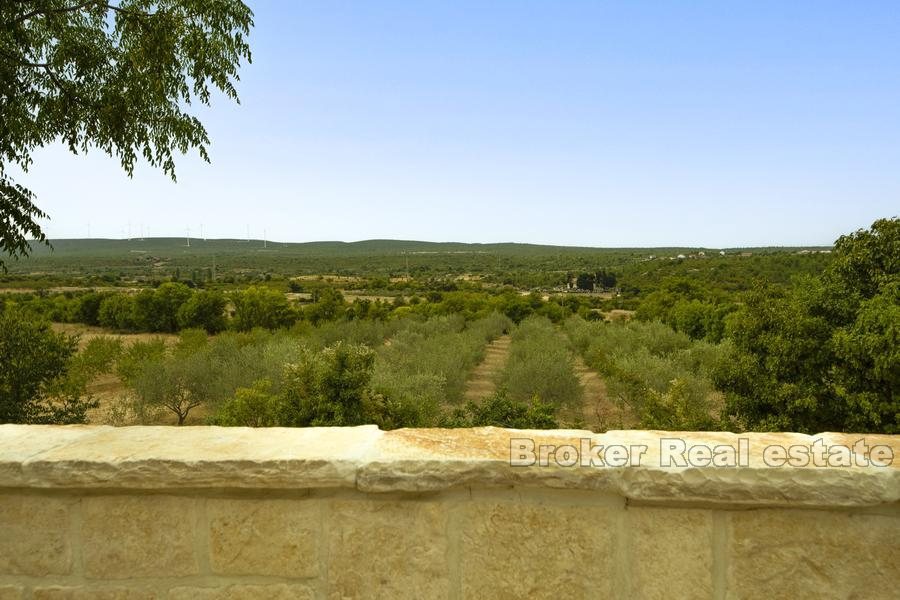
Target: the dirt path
pixel 598 411
pixel 483 380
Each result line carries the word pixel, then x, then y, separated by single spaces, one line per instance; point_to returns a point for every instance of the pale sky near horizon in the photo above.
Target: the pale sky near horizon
pixel 716 124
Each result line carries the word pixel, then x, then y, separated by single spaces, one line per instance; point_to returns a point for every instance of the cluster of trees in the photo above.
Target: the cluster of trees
pixel 416 380
pixel 823 354
pixel 688 307
pixel 325 387
pixel 44 378
pixel 602 278
pixel 173 306
pixel 199 371
pixel 168 308
pixel 720 275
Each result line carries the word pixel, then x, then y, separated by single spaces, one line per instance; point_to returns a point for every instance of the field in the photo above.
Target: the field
pixel 399 334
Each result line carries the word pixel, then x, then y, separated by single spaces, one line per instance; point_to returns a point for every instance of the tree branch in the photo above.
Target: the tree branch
pixel 39 12
pixel 50 11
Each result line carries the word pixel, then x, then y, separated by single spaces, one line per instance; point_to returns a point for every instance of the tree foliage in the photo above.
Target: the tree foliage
pixel 540 366
pixel 499 410
pixel 823 355
pixel 35 382
pixel 118 76
pixel 204 309
pixel 658 375
pixel 262 307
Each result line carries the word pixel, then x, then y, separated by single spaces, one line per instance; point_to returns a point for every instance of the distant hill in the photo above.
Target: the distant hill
pixel 72 248
pixel 154 259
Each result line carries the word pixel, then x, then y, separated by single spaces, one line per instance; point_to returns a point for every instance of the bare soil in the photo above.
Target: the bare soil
pixel 108 389
pixel 88 333
pixel 598 411
pixel 483 380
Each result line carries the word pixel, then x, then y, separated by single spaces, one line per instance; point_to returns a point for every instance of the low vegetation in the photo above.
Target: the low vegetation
pixel 787 341
pixel 654 372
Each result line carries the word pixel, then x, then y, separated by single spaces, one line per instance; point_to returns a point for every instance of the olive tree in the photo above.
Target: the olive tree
pixel 116 75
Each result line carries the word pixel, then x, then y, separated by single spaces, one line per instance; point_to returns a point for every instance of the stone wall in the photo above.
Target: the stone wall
pixel 201 513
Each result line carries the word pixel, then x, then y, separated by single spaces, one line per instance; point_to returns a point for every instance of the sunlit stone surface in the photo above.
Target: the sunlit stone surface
pixel 205 512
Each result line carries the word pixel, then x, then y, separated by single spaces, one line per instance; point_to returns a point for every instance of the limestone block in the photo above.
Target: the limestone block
pixel 11 592
pixel 387 549
pixel 138 536
pixel 90 593
pixel 151 457
pixel 813 554
pixel 518 550
pixel 425 460
pixel 670 553
pixel 264 537
pixel 244 592
pixel 34 539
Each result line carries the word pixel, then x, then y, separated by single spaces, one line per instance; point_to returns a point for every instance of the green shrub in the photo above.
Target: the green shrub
pixel 34 381
pixel 205 310
pixel 157 310
pixel 262 307
pixel 133 359
pixel 255 406
pixel 329 387
pixel 88 311
pixel 98 357
pixel 117 311
pixel 499 410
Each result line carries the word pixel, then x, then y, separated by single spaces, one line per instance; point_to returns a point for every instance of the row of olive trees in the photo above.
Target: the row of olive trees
pixel 199 371
pixel 657 374
pixel 407 372
pixel 223 375
pixel 540 365
pixel 414 378
pixel 537 381
pixel 425 366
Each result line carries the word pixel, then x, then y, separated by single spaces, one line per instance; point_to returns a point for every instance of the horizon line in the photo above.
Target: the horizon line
pixel 410 241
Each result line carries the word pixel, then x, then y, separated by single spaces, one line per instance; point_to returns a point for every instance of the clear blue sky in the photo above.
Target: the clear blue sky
pixel 593 123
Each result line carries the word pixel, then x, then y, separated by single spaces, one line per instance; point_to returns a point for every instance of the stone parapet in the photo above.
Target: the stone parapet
pixel 207 512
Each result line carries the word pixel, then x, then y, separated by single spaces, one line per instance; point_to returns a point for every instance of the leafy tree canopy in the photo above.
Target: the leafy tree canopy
pixel 823 355
pixel 114 75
